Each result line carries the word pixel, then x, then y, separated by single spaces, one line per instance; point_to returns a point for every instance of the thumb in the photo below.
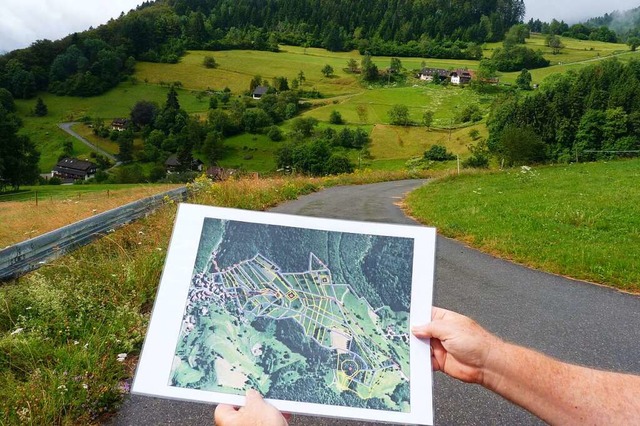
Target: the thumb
pixel 422 331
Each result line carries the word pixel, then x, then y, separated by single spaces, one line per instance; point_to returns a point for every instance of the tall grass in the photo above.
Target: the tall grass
pixel 58 206
pixel 580 220
pixel 71 332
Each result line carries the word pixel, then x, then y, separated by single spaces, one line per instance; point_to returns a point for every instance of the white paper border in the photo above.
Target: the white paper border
pixel 152 375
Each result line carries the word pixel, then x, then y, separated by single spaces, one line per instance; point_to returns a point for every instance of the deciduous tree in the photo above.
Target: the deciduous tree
pixel 399 115
pixel 327 70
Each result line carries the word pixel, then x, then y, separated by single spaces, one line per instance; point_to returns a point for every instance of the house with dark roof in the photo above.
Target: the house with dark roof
pixel 461 76
pixel 430 74
pixel 218 173
pixel 119 124
pixel 173 164
pixel 259 91
pixel 72 169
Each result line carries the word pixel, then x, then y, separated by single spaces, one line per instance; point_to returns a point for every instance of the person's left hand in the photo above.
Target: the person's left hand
pixel 256 412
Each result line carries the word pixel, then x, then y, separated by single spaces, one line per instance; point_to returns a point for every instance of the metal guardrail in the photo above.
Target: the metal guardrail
pixel 29 255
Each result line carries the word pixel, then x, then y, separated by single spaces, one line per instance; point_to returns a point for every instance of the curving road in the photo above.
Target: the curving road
pixel 572 320
pixel 67 127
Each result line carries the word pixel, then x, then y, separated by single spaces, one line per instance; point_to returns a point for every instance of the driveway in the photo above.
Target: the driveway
pixel 67 127
pixel 572 320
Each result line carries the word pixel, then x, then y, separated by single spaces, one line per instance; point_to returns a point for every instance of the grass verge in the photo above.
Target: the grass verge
pixel 71 332
pixel 580 220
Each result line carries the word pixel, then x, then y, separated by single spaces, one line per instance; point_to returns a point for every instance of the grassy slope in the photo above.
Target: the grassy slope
pixel 117 102
pixel 562 219
pixel 255 152
pixel 575 55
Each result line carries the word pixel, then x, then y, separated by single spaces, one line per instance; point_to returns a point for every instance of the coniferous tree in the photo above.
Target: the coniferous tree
pixel 40 109
pixel 18 155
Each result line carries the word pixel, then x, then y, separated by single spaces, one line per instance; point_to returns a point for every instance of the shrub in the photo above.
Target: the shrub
pixel 275 134
pixel 476 161
pixel 338 164
pixel 470 113
pixel 438 153
pixel 336 117
pixel 210 62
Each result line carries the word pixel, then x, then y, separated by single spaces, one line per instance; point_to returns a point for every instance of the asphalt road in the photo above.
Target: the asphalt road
pixel 572 320
pixel 67 128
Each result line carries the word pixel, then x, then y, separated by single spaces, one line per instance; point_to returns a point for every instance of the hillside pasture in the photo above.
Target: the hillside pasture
pixel 445 102
pixel 116 103
pixel 398 143
pixel 575 55
pixel 236 68
pixel 250 152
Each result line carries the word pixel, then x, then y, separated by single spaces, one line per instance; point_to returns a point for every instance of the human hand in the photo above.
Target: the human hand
pixel 460 347
pixel 256 412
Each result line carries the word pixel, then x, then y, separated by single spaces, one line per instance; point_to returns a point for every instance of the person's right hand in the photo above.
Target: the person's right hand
pixel 256 412
pixel 460 347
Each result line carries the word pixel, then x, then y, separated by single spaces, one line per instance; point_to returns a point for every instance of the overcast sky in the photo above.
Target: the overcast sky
pixel 24 21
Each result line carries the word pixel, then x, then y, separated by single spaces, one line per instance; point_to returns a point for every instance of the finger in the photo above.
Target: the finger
pixel 224 413
pixel 253 397
pixel 439 353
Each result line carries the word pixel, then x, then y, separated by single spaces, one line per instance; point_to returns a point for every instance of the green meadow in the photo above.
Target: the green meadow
pixel 564 219
pixel 575 55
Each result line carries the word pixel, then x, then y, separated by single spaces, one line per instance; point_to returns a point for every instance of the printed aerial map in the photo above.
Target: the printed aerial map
pixel 299 315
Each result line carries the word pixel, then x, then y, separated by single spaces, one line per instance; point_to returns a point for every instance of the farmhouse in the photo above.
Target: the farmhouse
pixel 173 164
pixel 430 74
pixel 259 91
pixel 74 169
pixel 460 77
pixel 119 124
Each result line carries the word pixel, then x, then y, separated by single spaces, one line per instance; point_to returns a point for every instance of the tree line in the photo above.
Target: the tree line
pixel 589 114
pixel 18 155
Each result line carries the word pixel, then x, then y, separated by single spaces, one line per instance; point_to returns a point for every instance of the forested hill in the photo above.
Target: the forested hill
pixel 626 24
pixel 92 62
pixel 316 21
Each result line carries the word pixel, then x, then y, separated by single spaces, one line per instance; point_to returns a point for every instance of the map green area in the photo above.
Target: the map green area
pixel 298 314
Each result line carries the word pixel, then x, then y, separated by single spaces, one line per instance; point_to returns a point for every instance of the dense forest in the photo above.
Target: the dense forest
pixel 625 24
pixel 94 61
pixel 585 114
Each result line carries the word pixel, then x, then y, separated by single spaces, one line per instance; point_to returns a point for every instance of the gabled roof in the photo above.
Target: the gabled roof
pixel 260 90
pixel 172 161
pixel 120 122
pixel 74 164
pixel 434 71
